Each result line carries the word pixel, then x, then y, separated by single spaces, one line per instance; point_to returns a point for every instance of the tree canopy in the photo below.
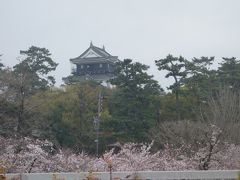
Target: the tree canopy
pixel 229 72
pixel 134 109
pixel 36 64
pixel 175 67
pixel 131 105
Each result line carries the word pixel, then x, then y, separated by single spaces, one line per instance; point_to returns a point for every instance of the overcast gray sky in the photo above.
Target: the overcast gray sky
pixel 143 30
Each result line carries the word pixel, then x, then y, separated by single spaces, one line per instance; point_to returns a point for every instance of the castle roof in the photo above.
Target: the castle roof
pixel 93 55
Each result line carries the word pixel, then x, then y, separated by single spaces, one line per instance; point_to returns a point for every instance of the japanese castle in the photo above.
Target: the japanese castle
pixel 94 64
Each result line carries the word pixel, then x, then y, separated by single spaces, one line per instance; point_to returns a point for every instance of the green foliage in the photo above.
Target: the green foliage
pixel 19 84
pixel 229 72
pixel 1 64
pixel 31 75
pixel 8 111
pixel 8 105
pixel 175 67
pixel 188 107
pixel 68 115
pixel 135 110
pixel 131 107
pixel 200 80
pixel 36 65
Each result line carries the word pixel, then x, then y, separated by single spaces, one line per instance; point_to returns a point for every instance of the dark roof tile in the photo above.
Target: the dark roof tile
pixel 104 56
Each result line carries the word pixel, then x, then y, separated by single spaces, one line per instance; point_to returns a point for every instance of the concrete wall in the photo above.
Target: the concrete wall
pixel 156 175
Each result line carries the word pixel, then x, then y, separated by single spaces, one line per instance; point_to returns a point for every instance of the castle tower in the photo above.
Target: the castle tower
pixel 95 63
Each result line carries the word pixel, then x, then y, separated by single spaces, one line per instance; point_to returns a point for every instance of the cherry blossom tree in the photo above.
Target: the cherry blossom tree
pixel 30 155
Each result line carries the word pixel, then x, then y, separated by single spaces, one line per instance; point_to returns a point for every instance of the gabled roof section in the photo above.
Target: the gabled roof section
pixel 94 54
pixel 94 51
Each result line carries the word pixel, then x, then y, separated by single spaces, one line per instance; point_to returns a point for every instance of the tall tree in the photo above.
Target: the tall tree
pixel 32 74
pixel 37 63
pixel 229 72
pixel 175 67
pixel 1 64
pixel 131 106
pixel 200 78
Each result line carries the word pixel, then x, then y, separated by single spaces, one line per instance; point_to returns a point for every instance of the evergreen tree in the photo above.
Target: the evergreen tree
pixel 1 64
pixel 31 74
pixel 200 80
pixel 229 72
pixel 36 65
pixel 175 67
pixel 131 105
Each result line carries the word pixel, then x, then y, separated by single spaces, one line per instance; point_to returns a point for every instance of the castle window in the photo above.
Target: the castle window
pixel 81 66
pixel 100 65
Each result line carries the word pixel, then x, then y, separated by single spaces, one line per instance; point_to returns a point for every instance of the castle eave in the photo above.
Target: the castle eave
pixel 94 60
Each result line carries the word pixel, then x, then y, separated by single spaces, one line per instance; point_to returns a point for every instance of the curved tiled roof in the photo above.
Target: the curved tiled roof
pixel 103 56
pixel 110 59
